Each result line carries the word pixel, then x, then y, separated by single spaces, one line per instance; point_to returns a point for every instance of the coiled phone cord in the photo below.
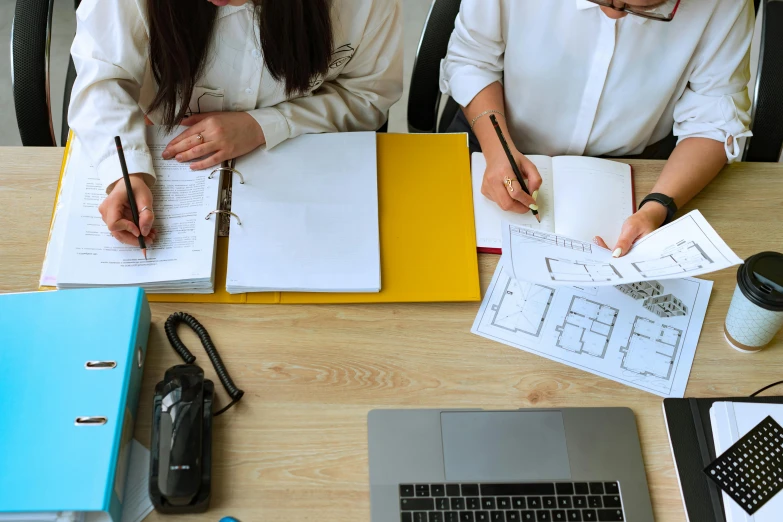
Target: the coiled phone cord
pixel 170 327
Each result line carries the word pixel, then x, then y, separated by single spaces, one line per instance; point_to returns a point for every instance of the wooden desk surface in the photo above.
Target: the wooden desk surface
pixel 295 448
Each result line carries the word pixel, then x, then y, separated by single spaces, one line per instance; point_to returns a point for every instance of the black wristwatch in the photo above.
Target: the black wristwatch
pixel 664 200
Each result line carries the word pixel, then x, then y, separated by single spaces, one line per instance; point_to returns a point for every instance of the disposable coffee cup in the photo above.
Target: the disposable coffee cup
pixel 756 311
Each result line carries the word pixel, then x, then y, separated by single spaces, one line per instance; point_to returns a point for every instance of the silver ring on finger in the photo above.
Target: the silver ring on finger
pixel 200 138
pixel 149 209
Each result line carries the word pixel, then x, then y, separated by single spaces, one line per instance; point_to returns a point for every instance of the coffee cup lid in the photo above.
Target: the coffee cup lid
pixel 760 279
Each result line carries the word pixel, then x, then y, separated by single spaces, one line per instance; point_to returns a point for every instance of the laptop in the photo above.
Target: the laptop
pixel 541 465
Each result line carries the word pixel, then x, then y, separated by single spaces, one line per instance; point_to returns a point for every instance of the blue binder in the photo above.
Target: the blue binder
pixel 70 372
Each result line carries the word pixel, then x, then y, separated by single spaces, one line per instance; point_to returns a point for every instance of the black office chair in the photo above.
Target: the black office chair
pixel 424 101
pixel 31 34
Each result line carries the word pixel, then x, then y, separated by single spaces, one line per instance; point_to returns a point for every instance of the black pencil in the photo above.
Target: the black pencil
pixel 131 199
pixel 511 160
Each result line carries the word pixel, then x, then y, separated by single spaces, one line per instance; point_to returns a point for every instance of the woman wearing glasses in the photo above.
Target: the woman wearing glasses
pixel 604 78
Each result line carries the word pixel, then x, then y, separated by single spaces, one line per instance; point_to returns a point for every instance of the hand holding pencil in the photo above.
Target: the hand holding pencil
pixel 505 168
pixel 116 210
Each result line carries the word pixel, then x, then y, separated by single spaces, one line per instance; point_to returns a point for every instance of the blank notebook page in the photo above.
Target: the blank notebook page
pixel 309 213
pixel 593 197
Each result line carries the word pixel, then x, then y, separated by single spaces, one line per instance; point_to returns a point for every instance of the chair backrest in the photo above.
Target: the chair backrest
pixel 30 33
pixel 767 120
pixel 424 95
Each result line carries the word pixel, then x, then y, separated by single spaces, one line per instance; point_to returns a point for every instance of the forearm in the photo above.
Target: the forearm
pixel 491 98
pixel 693 164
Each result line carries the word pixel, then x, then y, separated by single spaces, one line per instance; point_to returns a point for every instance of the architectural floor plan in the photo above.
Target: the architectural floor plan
pixel 613 332
pixel 579 271
pixel 522 307
pixel 684 248
pixel 684 256
pixel 651 348
pixel 587 327
pixel 550 239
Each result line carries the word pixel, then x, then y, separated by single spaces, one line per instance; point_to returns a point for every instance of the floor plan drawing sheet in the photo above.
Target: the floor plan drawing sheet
pixel 686 247
pixel 523 307
pixel 651 348
pixel 623 333
pixel 587 327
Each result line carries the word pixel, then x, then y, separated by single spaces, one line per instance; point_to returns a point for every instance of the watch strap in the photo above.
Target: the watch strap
pixel 663 199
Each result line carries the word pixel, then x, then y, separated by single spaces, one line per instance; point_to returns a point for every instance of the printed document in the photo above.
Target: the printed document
pixel 180 260
pixel 641 334
pixel 686 247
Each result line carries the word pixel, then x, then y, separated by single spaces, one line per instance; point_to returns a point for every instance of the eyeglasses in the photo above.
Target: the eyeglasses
pixel 662 11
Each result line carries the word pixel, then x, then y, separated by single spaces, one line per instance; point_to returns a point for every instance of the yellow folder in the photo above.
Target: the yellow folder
pixel 427 231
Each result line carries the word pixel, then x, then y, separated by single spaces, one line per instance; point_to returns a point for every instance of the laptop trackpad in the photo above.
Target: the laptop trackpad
pixel 504 446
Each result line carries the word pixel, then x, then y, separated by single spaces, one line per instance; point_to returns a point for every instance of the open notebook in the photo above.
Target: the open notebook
pixel 306 218
pixel 579 197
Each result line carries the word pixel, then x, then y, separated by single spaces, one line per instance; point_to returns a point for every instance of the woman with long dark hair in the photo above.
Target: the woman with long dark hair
pixel 239 73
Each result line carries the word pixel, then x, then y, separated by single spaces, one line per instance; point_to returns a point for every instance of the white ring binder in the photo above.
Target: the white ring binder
pixel 227 212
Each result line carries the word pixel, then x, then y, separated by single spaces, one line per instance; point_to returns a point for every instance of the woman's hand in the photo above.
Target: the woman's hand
pixel 647 219
pixel 215 137
pixel 511 198
pixel 116 213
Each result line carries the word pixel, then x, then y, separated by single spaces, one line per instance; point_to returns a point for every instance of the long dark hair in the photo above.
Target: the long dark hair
pixel 296 40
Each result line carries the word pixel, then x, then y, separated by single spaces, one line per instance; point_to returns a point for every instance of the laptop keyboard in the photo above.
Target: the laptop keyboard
pixel 522 502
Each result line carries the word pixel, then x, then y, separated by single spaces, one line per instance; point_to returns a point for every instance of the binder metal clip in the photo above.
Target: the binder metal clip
pixel 227 212
pixel 228 169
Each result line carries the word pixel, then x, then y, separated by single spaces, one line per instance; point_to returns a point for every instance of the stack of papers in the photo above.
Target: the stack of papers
pixel 730 422
pixel 635 320
pixel 82 253
pixel 309 212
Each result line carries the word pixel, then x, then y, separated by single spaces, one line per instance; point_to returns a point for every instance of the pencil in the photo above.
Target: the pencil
pixel 131 199
pixel 511 160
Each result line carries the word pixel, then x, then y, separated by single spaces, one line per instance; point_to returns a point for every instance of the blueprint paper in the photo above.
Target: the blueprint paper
pixel 642 334
pixel 686 247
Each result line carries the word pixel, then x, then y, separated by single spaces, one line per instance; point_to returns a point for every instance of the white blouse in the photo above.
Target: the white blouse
pixel 577 82
pixel 114 83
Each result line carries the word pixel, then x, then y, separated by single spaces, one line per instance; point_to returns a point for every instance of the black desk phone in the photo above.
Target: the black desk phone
pixel 181 445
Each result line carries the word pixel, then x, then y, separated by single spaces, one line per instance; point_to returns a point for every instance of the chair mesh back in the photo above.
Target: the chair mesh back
pixel 29 70
pixel 424 90
pixel 767 140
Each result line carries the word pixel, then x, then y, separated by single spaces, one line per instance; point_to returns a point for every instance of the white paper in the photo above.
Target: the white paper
pixel 628 335
pixel 54 247
pixel 182 257
pixel 63 516
pixel 309 214
pixel 594 197
pixel 686 247
pixel 136 503
pixel 579 197
pixel 730 422
pixel 489 216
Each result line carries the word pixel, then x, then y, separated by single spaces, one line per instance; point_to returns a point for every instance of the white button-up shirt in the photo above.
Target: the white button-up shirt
pixel 114 85
pixel 577 82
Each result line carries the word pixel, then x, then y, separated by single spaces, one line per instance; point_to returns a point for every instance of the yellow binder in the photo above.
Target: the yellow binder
pixel 427 231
